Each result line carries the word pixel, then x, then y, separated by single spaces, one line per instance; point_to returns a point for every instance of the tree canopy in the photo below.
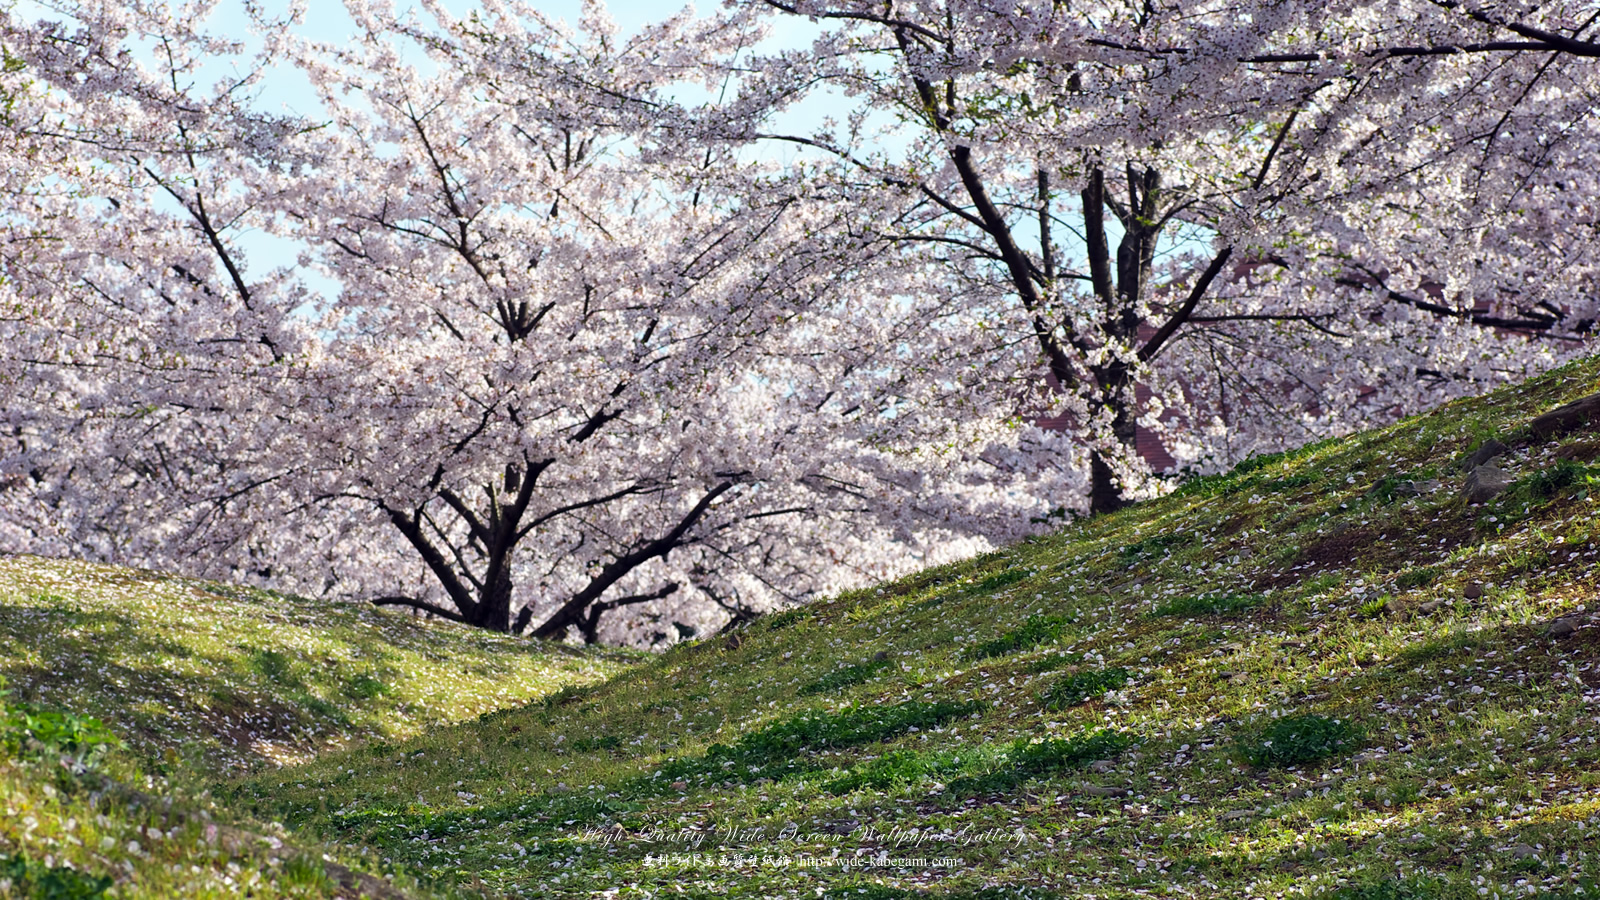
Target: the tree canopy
pixel 573 349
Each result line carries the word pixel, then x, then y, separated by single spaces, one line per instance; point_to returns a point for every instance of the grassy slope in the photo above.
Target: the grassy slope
pixel 232 678
pixel 1459 738
pixel 201 681
pixel 1086 714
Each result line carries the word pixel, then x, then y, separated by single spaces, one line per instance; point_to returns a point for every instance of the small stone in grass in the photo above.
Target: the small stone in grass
pixel 1485 483
pixel 1562 627
pixel 1473 590
pixel 1488 450
pixel 1581 451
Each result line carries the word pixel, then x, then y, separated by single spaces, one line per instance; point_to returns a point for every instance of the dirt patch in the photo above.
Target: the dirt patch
pixel 1585 645
pixel 1413 540
pixel 1335 551
pixel 1342 549
pixel 242 724
pixel 1236 524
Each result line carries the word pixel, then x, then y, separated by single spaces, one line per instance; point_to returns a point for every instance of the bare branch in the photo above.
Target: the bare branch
pixel 1153 346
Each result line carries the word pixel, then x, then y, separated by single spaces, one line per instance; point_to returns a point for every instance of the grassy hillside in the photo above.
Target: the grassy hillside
pixel 1323 674
pixel 126 692
pixel 1320 674
pixel 228 678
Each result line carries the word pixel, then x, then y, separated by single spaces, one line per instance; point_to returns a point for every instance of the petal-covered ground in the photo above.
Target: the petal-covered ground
pixel 126 692
pixel 235 678
pixel 1323 674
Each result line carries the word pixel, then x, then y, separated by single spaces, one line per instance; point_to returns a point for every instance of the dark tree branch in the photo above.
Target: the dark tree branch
pixel 1258 317
pixel 1548 40
pixel 423 605
pixel 1266 164
pixel 897 24
pixel 1176 320
pixel 637 488
pixel 599 419
pixel 1533 325
pixel 1566 45
pixel 591 622
pixel 411 528
pixel 1021 269
pixel 572 610
pixel 1094 237
pixel 977 249
pixel 479 530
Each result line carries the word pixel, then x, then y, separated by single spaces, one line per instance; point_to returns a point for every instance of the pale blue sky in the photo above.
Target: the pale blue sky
pixel 326 20
pixel 287 91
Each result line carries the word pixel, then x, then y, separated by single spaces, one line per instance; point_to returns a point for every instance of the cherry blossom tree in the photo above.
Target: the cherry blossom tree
pixel 1322 217
pixel 118 270
pixel 570 349
pixel 581 374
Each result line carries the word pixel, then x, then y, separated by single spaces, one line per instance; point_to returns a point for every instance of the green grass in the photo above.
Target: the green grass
pixel 240 679
pixel 83 821
pixel 1255 474
pixel 28 731
pixel 849 676
pixel 1377 606
pixel 31 878
pixel 1537 488
pixel 896 768
pixel 1154 546
pixel 1224 604
pixel 787 747
pixel 1297 739
pixel 1080 687
pixel 1052 661
pixel 1000 580
pixel 1035 631
pixel 1422 576
pixel 1026 759
pixel 1385 889
pixel 165 684
pixel 1259 737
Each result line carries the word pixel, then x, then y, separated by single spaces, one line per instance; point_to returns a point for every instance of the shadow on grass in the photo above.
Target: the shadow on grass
pixel 84 669
pixel 166 698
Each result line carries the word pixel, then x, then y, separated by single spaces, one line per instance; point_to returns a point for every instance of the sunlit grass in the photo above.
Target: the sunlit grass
pixel 232 678
pixel 1083 714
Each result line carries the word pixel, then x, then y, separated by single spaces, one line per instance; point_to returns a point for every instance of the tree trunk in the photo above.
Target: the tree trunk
pixel 1116 388
pixel 1114 381
pixel 496 607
